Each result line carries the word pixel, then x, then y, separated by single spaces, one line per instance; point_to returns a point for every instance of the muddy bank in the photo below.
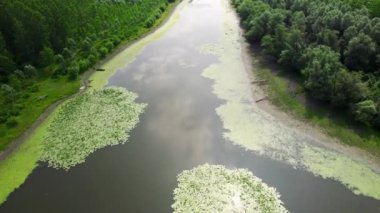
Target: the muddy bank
pixel 255 60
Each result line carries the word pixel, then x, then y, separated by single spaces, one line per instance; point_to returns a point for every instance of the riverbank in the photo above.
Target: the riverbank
pixel 24 157
pixel 285 93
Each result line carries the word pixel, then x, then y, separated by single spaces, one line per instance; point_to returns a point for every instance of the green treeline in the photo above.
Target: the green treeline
pixel 45 41
pixel 335 47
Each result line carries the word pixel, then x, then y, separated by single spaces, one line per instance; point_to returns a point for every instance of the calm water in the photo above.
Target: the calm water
pixel 178 131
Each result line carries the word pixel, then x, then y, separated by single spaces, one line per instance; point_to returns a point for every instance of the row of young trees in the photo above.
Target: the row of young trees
pixel 40 39
pixel 334 46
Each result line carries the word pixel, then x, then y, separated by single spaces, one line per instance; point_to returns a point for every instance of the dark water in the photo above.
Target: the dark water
pixel 178 131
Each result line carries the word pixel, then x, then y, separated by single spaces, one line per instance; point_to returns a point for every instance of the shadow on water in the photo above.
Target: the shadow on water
pixel 178 131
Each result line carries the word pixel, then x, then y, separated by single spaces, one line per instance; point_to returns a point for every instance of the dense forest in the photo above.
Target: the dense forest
pixel 46 44
pixel 332 44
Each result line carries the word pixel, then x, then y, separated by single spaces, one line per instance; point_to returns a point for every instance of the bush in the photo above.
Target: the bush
pixel 83 64
pixel 73 71
pixel 116 40
pixel 14 111
pixel 93 58
pixel 11 123
pixel 365 112
pixel 103 52
pixel 4 117
pixel 109 45
pixel 150 22
pixel 30 71
pixel 34 88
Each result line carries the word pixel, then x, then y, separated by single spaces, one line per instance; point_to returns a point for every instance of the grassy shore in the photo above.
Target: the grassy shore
pixel 35 103
pixel 288 96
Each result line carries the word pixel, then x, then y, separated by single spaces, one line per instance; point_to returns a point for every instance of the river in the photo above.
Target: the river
pixel 180 129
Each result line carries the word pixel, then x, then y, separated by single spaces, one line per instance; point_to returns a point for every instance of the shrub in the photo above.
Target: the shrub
pixel 4 117
pixel 73 71
pixel 365 111
pixel 11 123
pixel 33 88
pixel 103 52
pixel 83 64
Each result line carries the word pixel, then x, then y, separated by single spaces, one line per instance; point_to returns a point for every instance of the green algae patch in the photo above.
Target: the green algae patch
pixel 89 122
pixel 342 168
pixel 247 125
pixel 125 57
pixel 16 168
pixel 214 188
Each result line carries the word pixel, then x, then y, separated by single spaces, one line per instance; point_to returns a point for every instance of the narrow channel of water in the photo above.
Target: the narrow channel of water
pixel 179 130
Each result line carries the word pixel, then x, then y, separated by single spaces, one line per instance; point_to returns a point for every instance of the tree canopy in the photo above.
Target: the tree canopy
pixel 45 41
pixel 333 44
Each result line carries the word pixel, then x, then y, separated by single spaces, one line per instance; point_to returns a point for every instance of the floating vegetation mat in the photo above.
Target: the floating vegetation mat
pixel 89 122
pixel 210 188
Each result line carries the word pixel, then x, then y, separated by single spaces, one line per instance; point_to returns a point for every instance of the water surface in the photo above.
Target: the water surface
pixel 179 130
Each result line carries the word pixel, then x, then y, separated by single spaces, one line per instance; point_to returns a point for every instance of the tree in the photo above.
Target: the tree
pixel 360 51
pixel 298 21
pixel 322 66
pixel 73 71
pixel 273 45
pixel 46 57
pixel 6 63
pixel 294 45
pixel 329 38
pixel 349 88
pixel 245 8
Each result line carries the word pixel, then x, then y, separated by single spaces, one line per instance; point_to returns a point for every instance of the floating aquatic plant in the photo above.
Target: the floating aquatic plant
pixel 88 122
pixel 213 188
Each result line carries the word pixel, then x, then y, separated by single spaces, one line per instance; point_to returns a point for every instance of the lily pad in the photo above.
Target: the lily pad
pixel 214 188
pixel 89 122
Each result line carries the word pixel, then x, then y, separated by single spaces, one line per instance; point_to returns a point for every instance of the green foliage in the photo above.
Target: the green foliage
pixel 11 123
pixel 213 188
pixel 360 50
pixel 31 32
pixel 73 71
pixel 46 57
pixel 8 92
pixel 365 111
pixel 372 5
pixel 322 66
pixel 30 71
pixel 349 88
pixel 42 40
pixel 329 43
pixel 88 122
